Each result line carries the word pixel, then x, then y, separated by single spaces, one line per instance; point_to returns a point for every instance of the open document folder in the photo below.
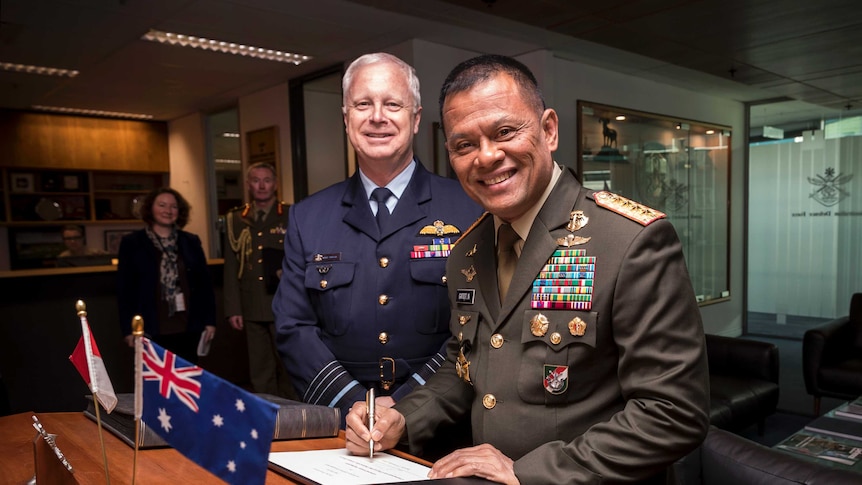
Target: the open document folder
pixel 338 467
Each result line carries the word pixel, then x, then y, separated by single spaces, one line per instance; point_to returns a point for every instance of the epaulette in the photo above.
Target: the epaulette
pixel 473 226
pixel 239 207
pixel 628 208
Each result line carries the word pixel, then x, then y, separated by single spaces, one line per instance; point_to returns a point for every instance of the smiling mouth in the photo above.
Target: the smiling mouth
pixel 499 178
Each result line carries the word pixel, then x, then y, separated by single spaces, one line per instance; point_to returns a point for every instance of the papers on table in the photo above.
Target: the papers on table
pixel 338 467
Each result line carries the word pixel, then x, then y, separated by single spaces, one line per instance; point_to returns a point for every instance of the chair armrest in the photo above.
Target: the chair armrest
pixel 730 356
pixel 818 343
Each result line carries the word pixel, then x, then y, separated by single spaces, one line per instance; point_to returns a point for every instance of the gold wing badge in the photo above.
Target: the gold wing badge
pixel 439 228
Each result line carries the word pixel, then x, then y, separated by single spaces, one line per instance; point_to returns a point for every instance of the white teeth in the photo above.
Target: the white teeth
pixel 497 180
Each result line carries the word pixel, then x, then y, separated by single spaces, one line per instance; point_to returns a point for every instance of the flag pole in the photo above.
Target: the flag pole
pixel 137 332
pixel 81 308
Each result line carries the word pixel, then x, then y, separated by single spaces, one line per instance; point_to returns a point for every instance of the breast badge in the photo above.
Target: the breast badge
pixel 469 273
pixel 439 228
pixel 556 378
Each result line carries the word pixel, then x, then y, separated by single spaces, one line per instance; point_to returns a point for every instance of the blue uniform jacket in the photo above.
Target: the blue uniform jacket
pixel 349 296
pixel 138 282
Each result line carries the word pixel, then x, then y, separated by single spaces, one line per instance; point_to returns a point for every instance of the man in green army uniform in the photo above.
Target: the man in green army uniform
pixel 254 249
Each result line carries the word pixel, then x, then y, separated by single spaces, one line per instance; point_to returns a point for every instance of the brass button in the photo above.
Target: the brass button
pixel 539 325
pixel 259 261
pixel 463 319
pixel 383 338
pixel 489 401
pixel 260 278
pixel 556 338
pixel 384 262
pixel 259 234
pixel 260 248
pixel 444 279
pixel 496 340
pixel 323 283
pixel 460 336
pixel 383 299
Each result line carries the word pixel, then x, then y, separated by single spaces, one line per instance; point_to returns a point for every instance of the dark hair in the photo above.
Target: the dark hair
pixel 482 68
pixel 74 227
pixel 150 199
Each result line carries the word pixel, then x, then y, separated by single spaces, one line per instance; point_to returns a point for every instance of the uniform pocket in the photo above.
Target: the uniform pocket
pixel 326 283
pixel 558 345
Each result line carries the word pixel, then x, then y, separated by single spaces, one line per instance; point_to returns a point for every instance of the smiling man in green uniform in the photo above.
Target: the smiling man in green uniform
pixel 577 346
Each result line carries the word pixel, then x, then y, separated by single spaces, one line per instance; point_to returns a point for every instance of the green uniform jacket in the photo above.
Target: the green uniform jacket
pixel 618 399
pixel 250 294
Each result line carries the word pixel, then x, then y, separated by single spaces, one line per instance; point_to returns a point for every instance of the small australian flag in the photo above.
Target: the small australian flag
pixel 212 422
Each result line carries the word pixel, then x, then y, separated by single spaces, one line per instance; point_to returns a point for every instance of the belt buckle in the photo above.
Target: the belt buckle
pixel 387 383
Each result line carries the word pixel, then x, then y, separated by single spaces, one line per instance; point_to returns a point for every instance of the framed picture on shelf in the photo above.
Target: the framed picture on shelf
pixel 21 182
pixel 112 240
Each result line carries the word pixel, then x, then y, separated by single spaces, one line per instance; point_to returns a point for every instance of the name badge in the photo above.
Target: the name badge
pixel 466 296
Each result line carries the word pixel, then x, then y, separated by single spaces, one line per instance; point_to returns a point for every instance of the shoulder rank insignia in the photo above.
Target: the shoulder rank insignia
pixel 628 208
pixel 439 228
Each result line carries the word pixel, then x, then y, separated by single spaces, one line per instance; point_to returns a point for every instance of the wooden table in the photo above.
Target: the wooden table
pixel 78 439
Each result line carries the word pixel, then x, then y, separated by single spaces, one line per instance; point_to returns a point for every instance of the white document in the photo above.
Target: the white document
pixel 338 467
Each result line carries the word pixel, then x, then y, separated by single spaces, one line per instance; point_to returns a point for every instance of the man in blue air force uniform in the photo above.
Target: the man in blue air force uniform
pixel 362 299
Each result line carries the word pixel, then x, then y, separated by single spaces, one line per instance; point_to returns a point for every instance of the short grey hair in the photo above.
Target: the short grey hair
pixel 380 57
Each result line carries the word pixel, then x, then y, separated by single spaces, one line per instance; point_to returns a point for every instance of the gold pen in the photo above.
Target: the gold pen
pixel 369 402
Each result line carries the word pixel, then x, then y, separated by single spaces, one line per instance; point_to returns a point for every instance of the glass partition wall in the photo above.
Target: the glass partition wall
pixel 679 167
pixel 804 214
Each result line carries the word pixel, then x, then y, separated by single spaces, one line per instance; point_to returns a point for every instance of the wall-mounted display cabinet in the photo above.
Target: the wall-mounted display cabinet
pixel 77 196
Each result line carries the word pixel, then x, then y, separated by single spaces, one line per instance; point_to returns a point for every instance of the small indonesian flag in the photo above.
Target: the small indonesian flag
pixel 87 359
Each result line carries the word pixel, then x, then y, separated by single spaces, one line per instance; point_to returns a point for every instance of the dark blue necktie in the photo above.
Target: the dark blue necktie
pixel 381 195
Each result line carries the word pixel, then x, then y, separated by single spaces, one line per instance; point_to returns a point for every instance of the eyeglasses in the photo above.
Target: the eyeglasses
pixel 389 106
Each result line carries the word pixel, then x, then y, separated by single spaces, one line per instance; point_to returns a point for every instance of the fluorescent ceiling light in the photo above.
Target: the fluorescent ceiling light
pixel 45 71
pixel 223 46
pixel 228 134
pixel 93 112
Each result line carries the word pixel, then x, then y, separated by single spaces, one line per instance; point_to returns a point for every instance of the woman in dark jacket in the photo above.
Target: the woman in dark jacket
pixel 162 275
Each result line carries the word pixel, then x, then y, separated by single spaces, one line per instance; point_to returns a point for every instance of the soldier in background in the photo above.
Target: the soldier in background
pixel 254 249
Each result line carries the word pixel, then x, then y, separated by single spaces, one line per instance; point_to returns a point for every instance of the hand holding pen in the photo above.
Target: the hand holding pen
pixel 369 403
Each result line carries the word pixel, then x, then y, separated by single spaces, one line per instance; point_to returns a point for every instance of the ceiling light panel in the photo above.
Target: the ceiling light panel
pixel 44 71
pixel 225 47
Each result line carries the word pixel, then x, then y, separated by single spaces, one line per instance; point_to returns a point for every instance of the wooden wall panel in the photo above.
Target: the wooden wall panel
pixel 36 140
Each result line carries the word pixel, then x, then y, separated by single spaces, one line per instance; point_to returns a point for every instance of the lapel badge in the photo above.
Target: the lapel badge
pixel 471 252
pixel 469 273
pixel 539 325
pixel 577 327
pixel 324 269
pixel 439 228
pixel 572 240
pixel 462 366
pixel 556 378
pixel 577 220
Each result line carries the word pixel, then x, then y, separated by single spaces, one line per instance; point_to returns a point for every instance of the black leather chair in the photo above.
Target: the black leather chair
pixel 832 357
pixel 743 382
pixel 725 458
